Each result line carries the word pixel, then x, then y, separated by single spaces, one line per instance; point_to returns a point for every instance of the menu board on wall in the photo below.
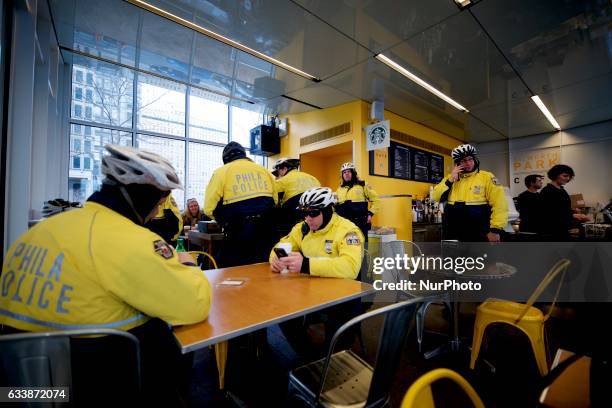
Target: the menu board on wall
pixel 410 163
pixel 402 163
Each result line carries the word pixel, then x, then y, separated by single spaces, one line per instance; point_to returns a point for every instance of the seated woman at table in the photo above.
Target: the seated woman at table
pixel 324 245
pixel 193 214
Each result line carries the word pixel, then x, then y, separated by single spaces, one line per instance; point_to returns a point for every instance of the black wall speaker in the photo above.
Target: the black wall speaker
pixel 265 140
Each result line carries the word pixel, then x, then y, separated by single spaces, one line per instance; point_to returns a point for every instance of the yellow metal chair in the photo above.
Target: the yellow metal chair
pixel 220 348
pixel 419 394
pixel 194 255
pixel 525 317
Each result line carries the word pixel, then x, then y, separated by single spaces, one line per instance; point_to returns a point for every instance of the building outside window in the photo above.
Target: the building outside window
pixel 161 118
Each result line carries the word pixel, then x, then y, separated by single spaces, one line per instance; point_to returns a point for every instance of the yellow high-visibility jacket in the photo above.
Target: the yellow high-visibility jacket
pixel 359 194
pixel 237 181
pixel 293 183
pixel 94 268
pixel 335 251
pixel 477 188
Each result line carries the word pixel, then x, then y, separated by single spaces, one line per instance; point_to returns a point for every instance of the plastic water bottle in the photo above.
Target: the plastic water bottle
pixel 180 245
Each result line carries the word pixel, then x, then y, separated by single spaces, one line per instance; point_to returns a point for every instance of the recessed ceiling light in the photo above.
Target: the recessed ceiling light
pixel 545 111
pixel 394 65
pixel 463 3
pixel 188 24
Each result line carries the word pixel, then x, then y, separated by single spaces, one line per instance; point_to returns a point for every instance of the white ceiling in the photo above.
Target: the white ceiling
pixel 490 57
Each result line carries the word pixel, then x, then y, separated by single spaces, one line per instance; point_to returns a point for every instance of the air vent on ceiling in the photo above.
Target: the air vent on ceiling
pixel 411 140
pixel 326 134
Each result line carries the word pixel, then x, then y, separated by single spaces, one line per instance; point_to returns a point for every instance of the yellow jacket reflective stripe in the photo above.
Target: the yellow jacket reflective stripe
pixel 359 194
pixel 170 204
pixel 237 181
pixel 335 251
pixel 293 183
pixel 477 188
pixel 94 268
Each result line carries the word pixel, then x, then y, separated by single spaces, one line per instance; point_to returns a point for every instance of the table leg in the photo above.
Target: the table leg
pixel 221 357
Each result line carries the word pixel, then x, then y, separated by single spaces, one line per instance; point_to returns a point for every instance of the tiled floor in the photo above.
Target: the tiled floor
pixel 515 383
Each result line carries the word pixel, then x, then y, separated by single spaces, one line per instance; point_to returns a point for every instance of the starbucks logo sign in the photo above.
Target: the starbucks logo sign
pixel 378 135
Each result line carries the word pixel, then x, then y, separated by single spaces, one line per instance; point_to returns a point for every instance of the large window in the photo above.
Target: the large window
pixel 173 150
pixel 244 118
pixel 190 137
pixel 208 119
pixel 83 181
pixel 161 106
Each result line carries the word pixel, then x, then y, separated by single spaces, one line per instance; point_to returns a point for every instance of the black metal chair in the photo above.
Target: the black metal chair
pixel 343 379
pixel 44 359
pixel 410 248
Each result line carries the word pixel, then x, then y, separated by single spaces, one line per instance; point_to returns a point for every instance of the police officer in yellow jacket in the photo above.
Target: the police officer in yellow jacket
pixel 357 201
pixel 98 267
pixel 241 197
pixel 324 245
pixel 290 185
pixel 476 209
pixel 168 222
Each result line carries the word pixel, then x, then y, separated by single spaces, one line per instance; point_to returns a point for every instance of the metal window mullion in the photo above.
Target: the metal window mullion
pixel 99 125
pixel 187 114
pixel 135 80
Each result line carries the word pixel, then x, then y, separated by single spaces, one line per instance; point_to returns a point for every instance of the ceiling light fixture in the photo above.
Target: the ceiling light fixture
pixel 545 111
pixel 463 3
pixel 188 24
pixel 394 65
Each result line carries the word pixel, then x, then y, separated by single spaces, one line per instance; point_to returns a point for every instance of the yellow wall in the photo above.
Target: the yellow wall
pixel 395 212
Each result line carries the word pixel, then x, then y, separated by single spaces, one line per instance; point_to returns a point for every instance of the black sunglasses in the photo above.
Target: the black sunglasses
pixel 313 212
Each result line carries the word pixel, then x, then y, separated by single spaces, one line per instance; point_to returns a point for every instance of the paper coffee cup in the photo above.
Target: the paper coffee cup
pixel 287 247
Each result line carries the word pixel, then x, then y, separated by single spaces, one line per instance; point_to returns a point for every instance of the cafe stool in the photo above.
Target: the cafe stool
pixel 524 317
pixel 194 255
pixel 420 394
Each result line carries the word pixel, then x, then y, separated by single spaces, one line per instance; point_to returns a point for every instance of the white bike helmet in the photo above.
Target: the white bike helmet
pixel 462 151
pixel 317 197
pixel 129 165
pixel 347 166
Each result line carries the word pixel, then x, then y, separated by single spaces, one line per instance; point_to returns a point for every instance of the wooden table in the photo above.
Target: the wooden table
pixel 204 239
pixel 265 299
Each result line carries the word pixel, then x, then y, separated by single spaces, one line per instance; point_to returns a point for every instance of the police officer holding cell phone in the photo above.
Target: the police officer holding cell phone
pixel 325 245
pixel 476 209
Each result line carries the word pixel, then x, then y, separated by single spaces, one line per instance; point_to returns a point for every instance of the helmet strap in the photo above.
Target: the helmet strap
pixel 128 199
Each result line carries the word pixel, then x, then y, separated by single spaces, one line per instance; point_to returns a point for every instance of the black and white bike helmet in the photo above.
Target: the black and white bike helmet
pixel 462 151
pixel 317 197
pixel 286 162
pixel 129 165
pixel 347 166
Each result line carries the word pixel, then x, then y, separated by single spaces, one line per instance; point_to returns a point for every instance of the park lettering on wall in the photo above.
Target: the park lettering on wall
pixel 533 161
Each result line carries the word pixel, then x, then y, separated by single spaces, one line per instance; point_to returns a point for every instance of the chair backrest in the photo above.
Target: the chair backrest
pixel 558 268
pixel 367 258
pixel 402 247
pixel 196 253
pixel 398 317
pixel 43 359
pixel 419 394
pixel 399 247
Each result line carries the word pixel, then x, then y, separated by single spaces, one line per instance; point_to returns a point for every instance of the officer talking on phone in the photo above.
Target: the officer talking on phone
pixel 476 209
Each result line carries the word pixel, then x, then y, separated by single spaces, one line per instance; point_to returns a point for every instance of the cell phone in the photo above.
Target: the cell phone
pixel 280 252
